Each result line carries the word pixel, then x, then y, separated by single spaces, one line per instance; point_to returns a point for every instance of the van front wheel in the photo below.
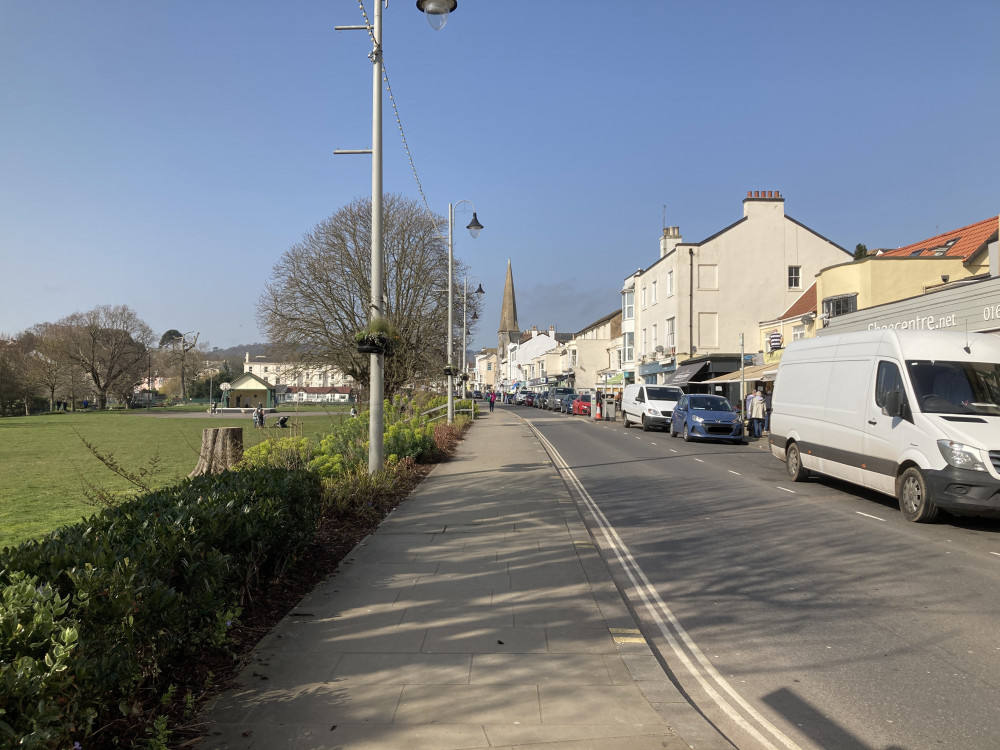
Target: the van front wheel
pixel 914 499
pixel 793 464
pixel 625 423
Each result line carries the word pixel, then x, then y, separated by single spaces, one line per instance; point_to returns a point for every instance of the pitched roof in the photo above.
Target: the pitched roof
pixel 248 381
pixel 957 243
pixel 806 303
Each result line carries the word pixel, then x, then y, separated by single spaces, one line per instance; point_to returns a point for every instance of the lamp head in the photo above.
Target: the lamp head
pixel 437 11
pixel 474 227
pixel 480 290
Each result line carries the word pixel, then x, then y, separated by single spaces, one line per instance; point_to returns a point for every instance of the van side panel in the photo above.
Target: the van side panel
pixel 796 410
pixel 842 453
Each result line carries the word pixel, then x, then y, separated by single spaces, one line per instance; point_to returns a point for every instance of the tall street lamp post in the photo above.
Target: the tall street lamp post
pixel 474 228
pixel 437 15
pixel 465 322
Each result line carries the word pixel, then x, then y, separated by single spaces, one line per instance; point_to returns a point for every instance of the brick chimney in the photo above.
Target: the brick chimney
pixel 767 200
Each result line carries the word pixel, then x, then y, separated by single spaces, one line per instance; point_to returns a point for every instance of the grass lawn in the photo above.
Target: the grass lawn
pixel 43 460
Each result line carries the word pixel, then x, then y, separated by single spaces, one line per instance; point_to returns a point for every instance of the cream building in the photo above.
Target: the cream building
pixel 484 377
pixel 591 357
pixel 696 301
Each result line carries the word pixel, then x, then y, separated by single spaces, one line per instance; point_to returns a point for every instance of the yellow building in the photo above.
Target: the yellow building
pixel 909 271
pixel 883 277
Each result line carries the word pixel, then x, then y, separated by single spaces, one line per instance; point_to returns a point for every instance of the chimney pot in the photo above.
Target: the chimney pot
pixel 749 193
pixel 756 194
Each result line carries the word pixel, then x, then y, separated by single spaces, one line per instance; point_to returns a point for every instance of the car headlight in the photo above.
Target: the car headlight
pixel 696 418
pixel 961 456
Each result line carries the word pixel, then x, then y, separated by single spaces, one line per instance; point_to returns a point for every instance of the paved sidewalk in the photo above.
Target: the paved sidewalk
pixel 478 615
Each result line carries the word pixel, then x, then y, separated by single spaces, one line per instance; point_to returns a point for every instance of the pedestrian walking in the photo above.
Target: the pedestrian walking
pixel 493 400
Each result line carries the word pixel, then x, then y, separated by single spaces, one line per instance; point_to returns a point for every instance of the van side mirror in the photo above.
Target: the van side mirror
pixel 895 404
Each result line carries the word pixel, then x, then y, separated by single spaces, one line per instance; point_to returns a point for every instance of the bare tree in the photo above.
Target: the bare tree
pixel 48 368
pixel 177 348
pixel 111 343
pixel 320 297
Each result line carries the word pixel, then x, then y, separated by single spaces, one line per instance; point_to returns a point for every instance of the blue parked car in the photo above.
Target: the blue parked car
pixel 701 415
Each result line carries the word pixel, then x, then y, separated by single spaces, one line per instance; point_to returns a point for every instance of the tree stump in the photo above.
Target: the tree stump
pixel 221 449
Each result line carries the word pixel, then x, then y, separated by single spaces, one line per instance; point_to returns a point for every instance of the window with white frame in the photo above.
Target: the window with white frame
pixel 489 368
pixel 798 332
pixel 652 293
pixel 642 304
pixel 670 283
pixel 669 340
pixel 628 305
pixel 628 346
pixel 652 337
pixel 572 357
pixel 795 277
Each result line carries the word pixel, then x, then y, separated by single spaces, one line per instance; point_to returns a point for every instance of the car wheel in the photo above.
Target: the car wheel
pixel 914 499
pixel 793 464
pixel 645 424
pixel 687 433
pixel 625 422
pixel 673 432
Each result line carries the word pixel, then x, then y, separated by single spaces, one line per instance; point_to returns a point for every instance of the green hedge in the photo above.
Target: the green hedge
pixel 91 616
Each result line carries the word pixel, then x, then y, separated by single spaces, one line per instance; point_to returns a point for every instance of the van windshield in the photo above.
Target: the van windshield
pixel 663 393
pixel 956 387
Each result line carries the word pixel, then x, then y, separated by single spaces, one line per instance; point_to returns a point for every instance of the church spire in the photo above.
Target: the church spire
pixel 509 330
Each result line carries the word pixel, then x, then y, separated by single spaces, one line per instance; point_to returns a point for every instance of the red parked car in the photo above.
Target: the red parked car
pixel 529 398
pixel 581 404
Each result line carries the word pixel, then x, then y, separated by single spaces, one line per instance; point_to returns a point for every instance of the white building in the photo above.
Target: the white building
pixel 288 374
pixel 695 302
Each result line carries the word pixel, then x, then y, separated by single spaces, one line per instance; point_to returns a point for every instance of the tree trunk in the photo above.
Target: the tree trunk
pixel 221 449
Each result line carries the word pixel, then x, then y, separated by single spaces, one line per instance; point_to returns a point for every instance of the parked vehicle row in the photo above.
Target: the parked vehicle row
pixel 695 416
pixel 562 400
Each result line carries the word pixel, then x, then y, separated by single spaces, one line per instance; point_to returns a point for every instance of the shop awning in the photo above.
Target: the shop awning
pixel 752 374
pixel 616 380
pixel 683 374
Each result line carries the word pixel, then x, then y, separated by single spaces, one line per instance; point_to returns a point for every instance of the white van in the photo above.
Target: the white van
pixel 649 405
pixel 912 414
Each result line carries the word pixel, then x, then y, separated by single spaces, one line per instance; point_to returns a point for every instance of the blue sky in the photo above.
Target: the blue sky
pixel 164 155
